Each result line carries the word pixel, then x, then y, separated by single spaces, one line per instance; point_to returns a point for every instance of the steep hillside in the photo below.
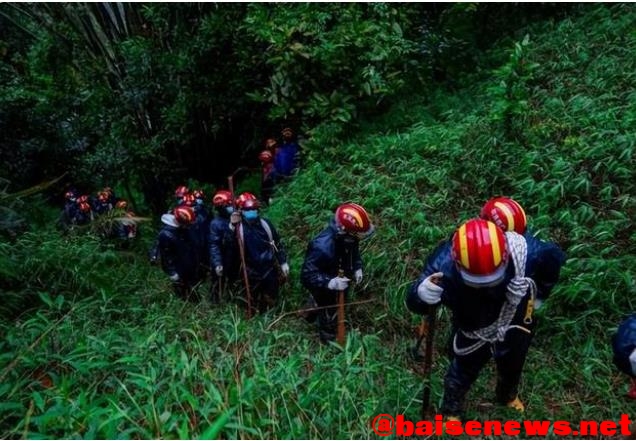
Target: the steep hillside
pixel 551 126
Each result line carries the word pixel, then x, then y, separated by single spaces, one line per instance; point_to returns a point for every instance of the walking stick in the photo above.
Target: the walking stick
pixel 341 335
pixel 428 334
pixel 230 181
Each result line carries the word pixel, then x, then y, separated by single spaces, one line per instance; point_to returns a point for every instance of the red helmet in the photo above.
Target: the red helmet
pixel 83 198
pixel 287 133
pixel 84 207
pixel 354 219
pixel 266 156
pixel 240 200
pixel 250 204
pixel 479 249
pixel 121 204
pixel 184 215
pixel 506 213
pixel 188 199
pixel 270 143
pixel 181 191
pixel 222 198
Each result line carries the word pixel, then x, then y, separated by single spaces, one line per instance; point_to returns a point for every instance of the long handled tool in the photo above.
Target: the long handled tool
pixel 246 281
pixel 428 333
pixel 341 336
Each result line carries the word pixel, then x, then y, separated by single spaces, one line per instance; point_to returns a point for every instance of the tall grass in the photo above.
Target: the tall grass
pixel 112 354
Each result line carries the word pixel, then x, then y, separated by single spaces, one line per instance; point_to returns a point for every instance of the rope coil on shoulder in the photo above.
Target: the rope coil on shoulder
pixel 516 290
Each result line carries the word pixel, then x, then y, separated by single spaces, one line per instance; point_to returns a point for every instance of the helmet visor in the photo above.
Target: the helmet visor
pixel 365 234
pixel 483 281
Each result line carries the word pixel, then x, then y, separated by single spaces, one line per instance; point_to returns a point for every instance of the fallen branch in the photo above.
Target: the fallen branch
pixel 317 308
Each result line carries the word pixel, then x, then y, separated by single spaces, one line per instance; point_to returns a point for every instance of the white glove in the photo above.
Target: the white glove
pixel 285 269
pixel 632 361
pixel 358 275
pixel 219 270
pixel 235 219
pixel 339 283
pixel 428 291
pixel 174 277
pixel 537 304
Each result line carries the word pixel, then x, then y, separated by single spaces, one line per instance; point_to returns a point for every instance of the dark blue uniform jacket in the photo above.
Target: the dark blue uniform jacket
pixel 475 308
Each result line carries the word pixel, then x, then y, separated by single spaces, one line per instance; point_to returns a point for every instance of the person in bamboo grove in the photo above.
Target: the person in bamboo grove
pixel 267 175
pixel 181 197
pixel 509 215
pixel 179 250
pixel 84 213
pixel 332 261
pixel 69 211
pixel 263 255
pixel 224 265
pixel 286 157
pixel 489 279
pixel 624 349
pixel 125 227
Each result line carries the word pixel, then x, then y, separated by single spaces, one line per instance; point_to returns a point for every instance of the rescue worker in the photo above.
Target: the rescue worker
pixel 125 227
pixel 263 255
pixel 201 226
pixel 624 349
pixel 509 215
pixel 69 211
pixel 223 264
pixel 101 204
pixel 332 261
pixel 83 213
pixel 490 280
pixel 267 175
pixel 178 248
pixel 181 197
pixel 286 157
pixel 179 194
pixel 112 199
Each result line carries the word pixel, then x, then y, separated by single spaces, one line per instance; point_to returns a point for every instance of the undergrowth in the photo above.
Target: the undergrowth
pixel 112 354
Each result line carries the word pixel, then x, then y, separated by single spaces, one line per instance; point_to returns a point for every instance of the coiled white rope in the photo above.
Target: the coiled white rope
pixel 517 289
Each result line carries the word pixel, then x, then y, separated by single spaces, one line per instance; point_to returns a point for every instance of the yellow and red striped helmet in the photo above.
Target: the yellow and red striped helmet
pixel 270 144
pixel 181 191
pixel 266 156
pixel 480 251
pixel 287 133
pixel 84 207
pixel 353 219
pixel 506 213
pixel 222 198
pixel 240 200
pixel 184 215
pixel 188 200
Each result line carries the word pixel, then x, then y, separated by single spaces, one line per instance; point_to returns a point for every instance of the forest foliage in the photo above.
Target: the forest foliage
pixel 434 111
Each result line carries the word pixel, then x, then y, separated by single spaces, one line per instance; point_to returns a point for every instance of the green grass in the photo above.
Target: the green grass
pixel 111 354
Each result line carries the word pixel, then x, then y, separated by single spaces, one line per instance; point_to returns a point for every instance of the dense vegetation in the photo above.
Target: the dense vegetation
pixel 546 115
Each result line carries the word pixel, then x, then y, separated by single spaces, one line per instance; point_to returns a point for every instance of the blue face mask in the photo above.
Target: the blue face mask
pixel 250 214
pixel 229 209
